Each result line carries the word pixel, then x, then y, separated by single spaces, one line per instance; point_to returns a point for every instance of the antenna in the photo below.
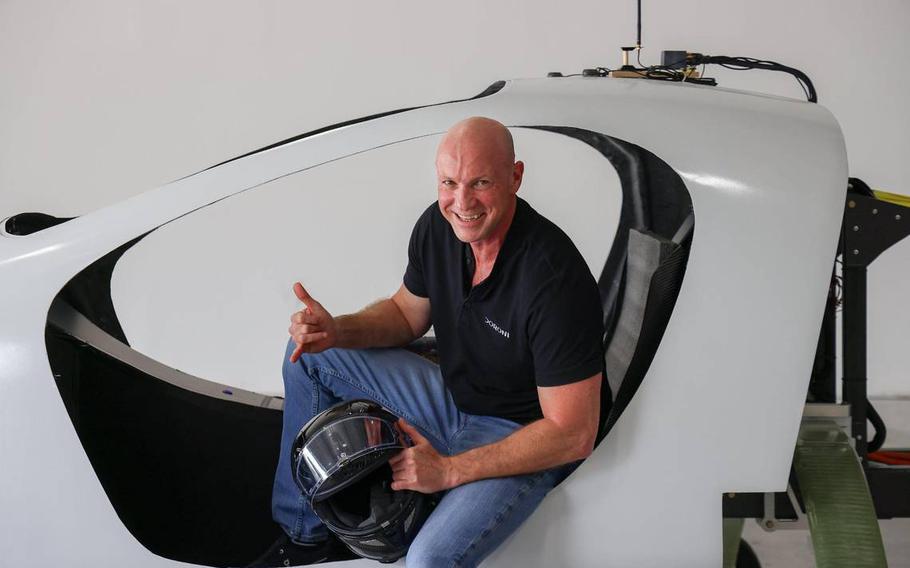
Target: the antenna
pixel 638 38
pixel 627 69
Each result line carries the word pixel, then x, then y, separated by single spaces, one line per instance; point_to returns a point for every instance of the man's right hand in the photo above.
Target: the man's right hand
pixel 312 328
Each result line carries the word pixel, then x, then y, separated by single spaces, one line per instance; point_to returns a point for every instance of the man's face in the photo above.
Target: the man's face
pixel 476 186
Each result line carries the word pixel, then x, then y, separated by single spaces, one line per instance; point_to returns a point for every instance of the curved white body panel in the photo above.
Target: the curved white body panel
pixel 717 412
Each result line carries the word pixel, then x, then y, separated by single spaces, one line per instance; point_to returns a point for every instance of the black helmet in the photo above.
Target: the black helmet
pixel 340 462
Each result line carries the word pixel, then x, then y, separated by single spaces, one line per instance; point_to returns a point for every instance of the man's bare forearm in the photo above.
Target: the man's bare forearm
pixel 381 324
pixel 539 445
pixel 565 434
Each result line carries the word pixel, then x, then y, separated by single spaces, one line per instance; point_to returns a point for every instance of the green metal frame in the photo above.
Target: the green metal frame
pixel 733 530
pixel 842 519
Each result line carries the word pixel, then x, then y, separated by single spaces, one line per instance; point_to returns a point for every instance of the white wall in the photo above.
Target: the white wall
pixel 100 100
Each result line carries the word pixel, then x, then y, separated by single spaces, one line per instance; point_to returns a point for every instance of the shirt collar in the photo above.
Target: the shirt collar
pixel 515 239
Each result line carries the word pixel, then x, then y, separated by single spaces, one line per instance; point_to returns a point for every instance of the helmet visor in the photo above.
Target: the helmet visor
pixel 342 452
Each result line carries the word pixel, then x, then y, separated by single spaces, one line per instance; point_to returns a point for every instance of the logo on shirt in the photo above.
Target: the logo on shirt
pixel 496 327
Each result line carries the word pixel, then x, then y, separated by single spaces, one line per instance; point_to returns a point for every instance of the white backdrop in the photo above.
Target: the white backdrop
pixel 101 100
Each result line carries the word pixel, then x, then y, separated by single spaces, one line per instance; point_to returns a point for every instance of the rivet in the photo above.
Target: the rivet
pixel 855 251
pixel 855 228
pixel 875 211
pixel 769 524
pixel 851 204
pixel 897 217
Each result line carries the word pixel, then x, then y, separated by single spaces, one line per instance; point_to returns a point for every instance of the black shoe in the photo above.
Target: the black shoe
pixel 284 552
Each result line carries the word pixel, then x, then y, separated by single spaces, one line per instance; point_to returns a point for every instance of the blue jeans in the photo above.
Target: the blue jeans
pixel 471 520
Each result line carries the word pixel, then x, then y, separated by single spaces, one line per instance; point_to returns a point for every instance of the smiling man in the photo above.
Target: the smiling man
pixel 519 395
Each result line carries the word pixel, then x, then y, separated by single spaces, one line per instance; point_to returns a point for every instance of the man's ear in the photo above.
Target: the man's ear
pixel 518 171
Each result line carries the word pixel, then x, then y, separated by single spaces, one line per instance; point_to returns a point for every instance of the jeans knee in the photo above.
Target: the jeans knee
pixel 303 362
pixel 295 375
pixel 427 553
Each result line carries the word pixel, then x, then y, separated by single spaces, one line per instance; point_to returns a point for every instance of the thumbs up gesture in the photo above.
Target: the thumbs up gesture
pixel 312 328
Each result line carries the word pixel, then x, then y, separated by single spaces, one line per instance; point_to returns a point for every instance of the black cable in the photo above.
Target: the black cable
pixel 745 63
pixel 662 73
pixel 761 65
pixel 667 73
pixel 881 432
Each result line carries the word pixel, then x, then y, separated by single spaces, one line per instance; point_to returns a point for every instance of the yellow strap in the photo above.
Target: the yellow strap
pixel 895 198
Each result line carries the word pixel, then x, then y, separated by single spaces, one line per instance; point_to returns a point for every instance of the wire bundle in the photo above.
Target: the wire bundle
pixel 745 63
pixel 693 60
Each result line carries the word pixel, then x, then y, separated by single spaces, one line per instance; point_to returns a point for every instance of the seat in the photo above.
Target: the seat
pixel 654 271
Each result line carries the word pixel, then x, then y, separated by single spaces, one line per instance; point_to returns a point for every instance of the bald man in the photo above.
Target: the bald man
pixel 517 399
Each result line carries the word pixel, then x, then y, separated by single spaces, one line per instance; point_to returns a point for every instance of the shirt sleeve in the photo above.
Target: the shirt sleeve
pixel 414 279
pixel 566 328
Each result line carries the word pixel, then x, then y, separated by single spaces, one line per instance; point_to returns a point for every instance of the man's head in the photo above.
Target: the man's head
pixel 478 178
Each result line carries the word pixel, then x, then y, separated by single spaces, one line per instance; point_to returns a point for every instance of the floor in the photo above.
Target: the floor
pixel 793 548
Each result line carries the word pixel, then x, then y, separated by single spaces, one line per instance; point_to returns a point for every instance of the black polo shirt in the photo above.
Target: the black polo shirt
pixel 535 321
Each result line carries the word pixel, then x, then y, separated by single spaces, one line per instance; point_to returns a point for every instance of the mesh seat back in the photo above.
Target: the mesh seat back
pixel 654 271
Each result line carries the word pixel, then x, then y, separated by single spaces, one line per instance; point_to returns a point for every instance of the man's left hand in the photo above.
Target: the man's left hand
pixel 421 468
